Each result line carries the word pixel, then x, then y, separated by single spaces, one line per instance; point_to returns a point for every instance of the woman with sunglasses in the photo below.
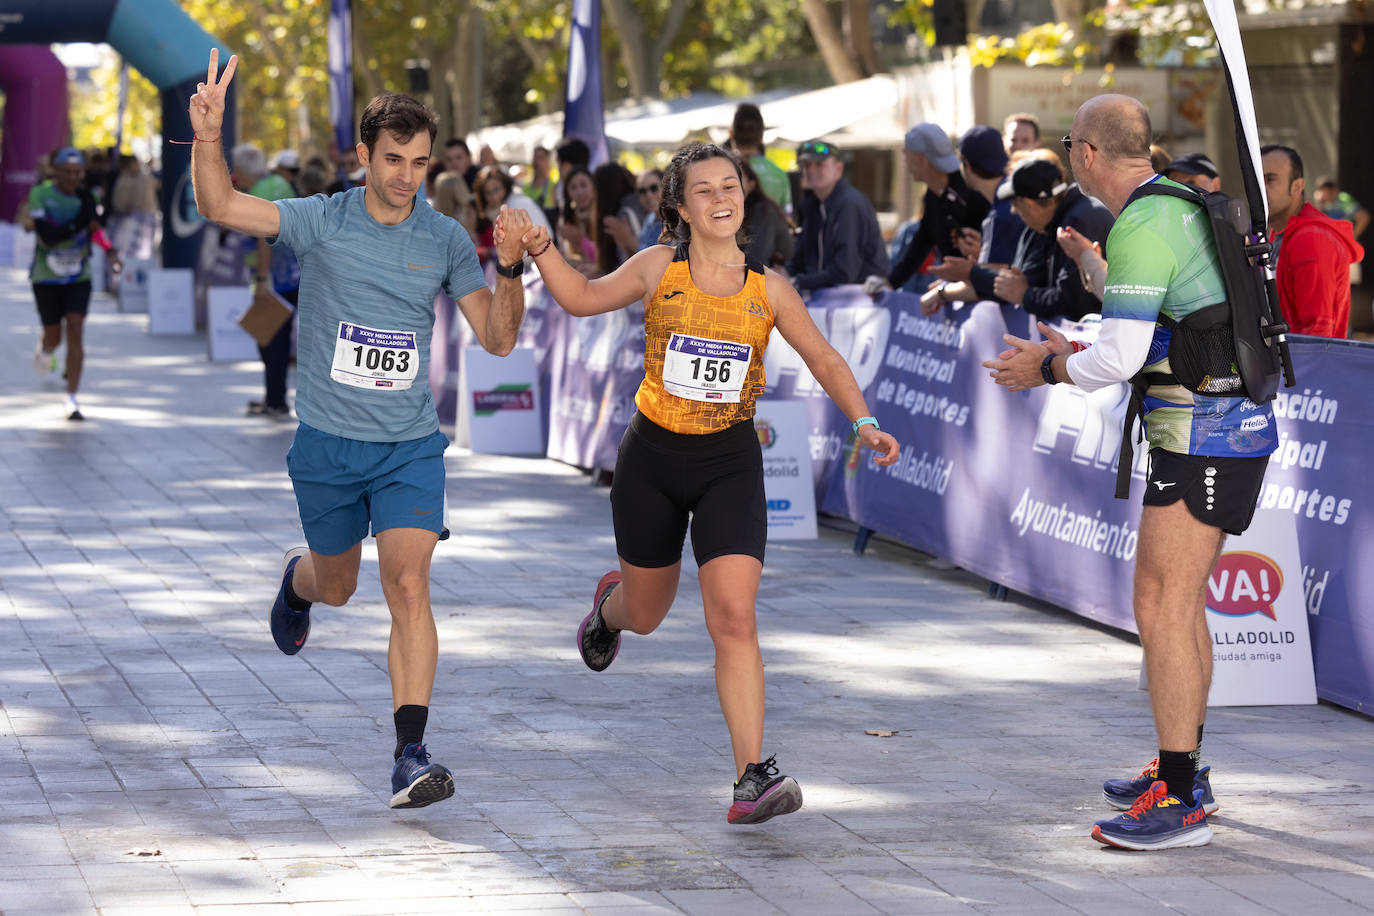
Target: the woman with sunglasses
pixel 691 456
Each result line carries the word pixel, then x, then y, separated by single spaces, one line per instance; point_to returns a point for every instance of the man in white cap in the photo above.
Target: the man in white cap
pixel 286 164
pixel 949 206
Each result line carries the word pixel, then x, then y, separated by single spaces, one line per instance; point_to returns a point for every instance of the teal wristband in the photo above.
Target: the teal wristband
pixel 866 421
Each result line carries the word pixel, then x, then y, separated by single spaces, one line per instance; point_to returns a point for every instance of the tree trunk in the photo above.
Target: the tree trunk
pixel 859 28
pixel 362 73
pixel 842 68
pixel 643 59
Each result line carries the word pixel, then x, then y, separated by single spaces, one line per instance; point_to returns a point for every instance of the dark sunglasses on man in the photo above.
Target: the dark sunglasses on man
pixel 647 189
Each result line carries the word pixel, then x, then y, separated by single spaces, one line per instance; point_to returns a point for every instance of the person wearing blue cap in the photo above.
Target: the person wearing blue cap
pixel 949 206
pixel 64 218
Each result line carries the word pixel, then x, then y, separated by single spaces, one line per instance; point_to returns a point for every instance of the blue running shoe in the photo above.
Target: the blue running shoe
pixel 289 628
pixel 1157 820
pixel 416 782
pixel 1122 793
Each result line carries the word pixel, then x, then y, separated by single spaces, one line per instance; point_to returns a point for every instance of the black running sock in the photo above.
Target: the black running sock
pixel 1176 769
pixel 410 726
pixel 1197 754
pixel 293 601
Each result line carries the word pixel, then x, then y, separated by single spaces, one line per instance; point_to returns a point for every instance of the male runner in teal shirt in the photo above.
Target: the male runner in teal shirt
pixel 368 454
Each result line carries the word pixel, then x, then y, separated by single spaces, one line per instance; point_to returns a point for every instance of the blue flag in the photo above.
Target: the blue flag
pixel 584 114
pixel 341 72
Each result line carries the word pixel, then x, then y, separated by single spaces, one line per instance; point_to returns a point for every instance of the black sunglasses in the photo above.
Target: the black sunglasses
pixel 1070 141
pixel 647 189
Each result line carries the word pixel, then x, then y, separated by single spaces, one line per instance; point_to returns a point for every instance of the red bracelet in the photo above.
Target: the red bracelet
pixel 535 254
pixel 194 140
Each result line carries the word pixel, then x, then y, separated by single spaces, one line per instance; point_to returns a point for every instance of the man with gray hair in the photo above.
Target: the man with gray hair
pixel 1207 454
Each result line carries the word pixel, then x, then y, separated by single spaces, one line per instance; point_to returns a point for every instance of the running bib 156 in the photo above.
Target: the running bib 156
pixel 701 369
pixel 372 358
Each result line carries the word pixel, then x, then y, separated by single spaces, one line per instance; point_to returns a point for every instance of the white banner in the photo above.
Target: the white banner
pixel 784 429
pixel 229 343
pixel 133 285
pixel 1227 29
pixel 1261 651
pixel 171 301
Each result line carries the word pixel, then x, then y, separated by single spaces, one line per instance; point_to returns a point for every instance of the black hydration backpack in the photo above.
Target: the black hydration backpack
pixel 1234 348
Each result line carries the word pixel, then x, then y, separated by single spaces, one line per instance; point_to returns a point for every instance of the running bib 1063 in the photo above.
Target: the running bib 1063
pixel 372 358
pixel 701 369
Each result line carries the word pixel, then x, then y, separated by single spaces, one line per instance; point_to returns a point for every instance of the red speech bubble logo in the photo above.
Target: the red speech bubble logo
pixel 1244 583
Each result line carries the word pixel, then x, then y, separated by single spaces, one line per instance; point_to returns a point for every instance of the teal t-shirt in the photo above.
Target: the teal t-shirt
pixel 773 180
pixel 65 262
pixel 366 312
pixel 1161 258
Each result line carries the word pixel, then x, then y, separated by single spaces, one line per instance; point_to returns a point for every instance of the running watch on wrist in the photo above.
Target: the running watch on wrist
pixel 866 421
pixel 1047 370
pixel 512 272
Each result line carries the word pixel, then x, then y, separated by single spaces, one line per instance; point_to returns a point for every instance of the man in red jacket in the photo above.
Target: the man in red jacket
pixel 1315 251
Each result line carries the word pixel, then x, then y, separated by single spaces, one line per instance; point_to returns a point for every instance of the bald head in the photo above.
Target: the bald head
pixel 1118 125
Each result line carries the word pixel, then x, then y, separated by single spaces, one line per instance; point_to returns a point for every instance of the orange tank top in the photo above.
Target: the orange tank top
pixel 703 355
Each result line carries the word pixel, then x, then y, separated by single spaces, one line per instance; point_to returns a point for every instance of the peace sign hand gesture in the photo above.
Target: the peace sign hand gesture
pixel 207 105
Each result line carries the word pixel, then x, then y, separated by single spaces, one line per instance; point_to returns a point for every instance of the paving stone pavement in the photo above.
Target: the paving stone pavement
pixel 159 756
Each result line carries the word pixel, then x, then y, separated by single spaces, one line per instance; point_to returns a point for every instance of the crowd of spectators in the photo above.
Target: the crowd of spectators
pixel 999 219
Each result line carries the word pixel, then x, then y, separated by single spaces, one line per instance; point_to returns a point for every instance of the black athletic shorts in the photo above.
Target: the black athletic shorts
pixel 56 300
pixel 662 477
pixel 1221 492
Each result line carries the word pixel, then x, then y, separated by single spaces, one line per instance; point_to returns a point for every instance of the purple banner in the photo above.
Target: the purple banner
pixel 584 112
pixel 341 72
pixel 1318 472
pixel 595 377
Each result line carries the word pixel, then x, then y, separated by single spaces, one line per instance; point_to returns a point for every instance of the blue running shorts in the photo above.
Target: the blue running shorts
pixel 344 486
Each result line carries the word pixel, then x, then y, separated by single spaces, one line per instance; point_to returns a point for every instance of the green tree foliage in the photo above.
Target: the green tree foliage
pixel 95 108
pixel 282 81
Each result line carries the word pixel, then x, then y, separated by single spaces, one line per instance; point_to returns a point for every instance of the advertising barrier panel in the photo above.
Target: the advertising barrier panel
pixel 1016 487
pixel 784 430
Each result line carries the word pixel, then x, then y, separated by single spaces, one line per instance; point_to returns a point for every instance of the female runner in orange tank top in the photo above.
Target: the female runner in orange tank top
pixel 708 313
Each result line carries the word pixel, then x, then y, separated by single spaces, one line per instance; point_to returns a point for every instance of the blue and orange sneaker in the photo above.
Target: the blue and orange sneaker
pixel 289 628
pixel 1157 820
pixel 1122 793
pixel 761 794
pixel 597 643
pixel 415 782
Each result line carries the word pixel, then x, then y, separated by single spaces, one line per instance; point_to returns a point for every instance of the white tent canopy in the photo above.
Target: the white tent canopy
pixel 862 113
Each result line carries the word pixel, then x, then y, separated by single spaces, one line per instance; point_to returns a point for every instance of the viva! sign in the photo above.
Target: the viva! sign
pixel 1256 614
pixel 1244 583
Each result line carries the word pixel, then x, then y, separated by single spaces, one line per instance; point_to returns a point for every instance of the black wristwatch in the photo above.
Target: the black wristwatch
pixel 512 272
pixel 1047 370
